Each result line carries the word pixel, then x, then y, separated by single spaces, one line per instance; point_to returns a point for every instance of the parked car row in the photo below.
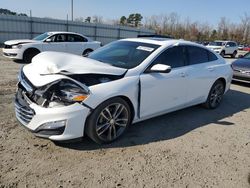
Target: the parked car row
pixel 51 41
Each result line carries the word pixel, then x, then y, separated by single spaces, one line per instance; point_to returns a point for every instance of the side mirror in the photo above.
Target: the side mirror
pixel 227 46
pixel 240 56
pixel 48 40
pixel 160 68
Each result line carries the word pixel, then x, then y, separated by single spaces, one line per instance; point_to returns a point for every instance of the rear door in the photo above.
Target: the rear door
pixel 162 92
pixel 76 44
pixel 201 73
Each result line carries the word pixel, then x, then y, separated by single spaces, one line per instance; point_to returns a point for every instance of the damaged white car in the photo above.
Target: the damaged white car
pixel 63 97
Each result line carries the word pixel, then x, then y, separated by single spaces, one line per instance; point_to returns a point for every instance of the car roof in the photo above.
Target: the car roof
pixel 61 32
pixel 162 42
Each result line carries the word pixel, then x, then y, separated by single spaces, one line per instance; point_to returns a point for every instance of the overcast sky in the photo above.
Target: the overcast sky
pixel 196 10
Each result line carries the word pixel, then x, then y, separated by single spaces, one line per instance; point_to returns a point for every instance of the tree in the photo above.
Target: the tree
pixel 97 19
pixel 134 20
pixel 214 35
pixel 8 12
pixel 88 19
pixel 123 20
pixel 80 19
pixel 137 19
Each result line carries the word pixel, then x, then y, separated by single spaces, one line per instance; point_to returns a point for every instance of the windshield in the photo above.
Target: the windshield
pixel 41 37
pixel 247 56
pixel 124 54
pixel 216 43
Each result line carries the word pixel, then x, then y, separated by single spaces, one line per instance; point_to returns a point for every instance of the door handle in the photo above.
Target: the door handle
pixel 183 74
pixel 210 69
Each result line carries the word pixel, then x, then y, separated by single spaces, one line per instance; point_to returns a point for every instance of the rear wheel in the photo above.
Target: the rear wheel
pixel 215 95
pixel 29 54
pixel 108 121
pixel 86 52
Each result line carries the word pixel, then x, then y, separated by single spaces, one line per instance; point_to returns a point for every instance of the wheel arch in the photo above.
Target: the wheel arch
pixel 87 50
pixel 126 99
pixel 223 81
pixel 31 49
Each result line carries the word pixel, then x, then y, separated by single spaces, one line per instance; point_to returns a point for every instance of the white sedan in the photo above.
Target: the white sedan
pixel 62 96
pixel 24 49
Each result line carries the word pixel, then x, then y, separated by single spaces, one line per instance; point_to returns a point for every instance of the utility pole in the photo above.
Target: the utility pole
pixel 72 11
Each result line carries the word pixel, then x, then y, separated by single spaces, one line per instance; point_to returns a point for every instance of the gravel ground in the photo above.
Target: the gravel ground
pixel 193 147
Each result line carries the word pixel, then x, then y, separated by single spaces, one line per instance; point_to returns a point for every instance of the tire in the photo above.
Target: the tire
pixel 29 54
pixel 222 53
pixel 215 95
pixel 108 121
pixel 234 54
pixel 86 52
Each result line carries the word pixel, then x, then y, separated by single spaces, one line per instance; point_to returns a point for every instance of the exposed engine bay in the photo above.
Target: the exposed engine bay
pixel 64 91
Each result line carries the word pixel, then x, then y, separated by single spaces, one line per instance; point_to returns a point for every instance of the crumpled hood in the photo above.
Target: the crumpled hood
pixel 47 67
pixel 20 41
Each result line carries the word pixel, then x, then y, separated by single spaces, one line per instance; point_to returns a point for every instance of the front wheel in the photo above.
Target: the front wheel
pixel 108 121
pixel 29 54
pixel 222 53
pixel 215 95
pixel 234 54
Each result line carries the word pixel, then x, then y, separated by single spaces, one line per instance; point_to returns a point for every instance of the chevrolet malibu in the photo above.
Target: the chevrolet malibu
pixel 62 96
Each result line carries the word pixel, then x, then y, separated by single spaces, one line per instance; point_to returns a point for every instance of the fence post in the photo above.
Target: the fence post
pixel 119 33
pixel 67 25
pixel 95 32
pixel 31 28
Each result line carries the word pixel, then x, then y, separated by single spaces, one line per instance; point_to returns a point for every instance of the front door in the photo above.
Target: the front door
pixel 162 92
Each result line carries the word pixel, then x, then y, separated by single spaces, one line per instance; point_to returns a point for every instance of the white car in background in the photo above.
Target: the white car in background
pixel 24 49
pixel 224 47
pixel 62 96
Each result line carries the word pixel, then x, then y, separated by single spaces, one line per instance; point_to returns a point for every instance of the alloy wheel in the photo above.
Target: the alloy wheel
pixel 112 121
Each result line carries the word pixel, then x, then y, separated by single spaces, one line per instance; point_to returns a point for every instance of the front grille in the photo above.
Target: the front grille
pixel 24 113
pixel 7 46
pixel 245 78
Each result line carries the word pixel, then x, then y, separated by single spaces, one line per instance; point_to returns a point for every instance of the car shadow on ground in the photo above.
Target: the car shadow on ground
pixel 174 124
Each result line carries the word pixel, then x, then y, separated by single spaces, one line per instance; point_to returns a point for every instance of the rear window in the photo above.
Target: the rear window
pixel 76 38
pixel 199 55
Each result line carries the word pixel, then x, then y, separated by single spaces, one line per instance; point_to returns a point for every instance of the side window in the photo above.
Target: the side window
pixel 60 38
pixel 53 38
pixel 197 55
pixel 174 57
pixel 211 56
pixel 76 38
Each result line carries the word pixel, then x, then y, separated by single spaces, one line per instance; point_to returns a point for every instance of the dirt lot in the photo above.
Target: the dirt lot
pixel 193 147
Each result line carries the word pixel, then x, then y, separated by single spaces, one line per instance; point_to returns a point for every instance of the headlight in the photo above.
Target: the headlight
pixel 71 92
pixel 17 46
pixel 63 92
